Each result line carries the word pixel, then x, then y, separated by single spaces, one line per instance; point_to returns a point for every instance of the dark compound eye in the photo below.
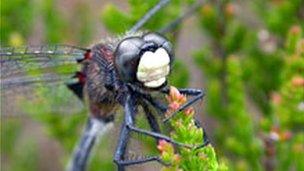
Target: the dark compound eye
pixel 145 59
pixel 160 41
pixel 127 56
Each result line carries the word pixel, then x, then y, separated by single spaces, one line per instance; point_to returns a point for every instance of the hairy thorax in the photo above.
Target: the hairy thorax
pixel 100 76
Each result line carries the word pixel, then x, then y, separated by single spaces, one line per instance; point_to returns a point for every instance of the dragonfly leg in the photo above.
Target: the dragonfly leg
pixel 119 157
pixel 121 149
pixel 162 108
pixel 151 118
pixel 198 95
pixel 127 127
pixel 129 119
pixel 92 131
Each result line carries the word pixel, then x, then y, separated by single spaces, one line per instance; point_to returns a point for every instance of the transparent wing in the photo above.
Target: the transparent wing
pixel 34 77
pixel 35 64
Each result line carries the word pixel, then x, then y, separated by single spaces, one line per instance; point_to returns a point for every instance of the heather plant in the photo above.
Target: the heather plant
pixel 226 99
pixel 184 130
pixel 286 132
pixel 243 66
pixel 252 62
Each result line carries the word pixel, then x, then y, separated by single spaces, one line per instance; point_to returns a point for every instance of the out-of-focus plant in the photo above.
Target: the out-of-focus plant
pixel 243 66
pixel 184 130
pixel 235 135
pixel 113 17
pixel 264 60
pixel 16 21
pixel 286 136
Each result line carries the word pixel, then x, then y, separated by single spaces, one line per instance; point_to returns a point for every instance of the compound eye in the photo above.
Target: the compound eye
pixel 160 41
pixel 127 57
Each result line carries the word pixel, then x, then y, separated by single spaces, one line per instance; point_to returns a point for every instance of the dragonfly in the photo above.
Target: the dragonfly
pixel 122 72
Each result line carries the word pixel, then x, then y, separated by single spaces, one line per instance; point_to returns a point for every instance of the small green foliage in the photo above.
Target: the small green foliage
pixel 112 17
pixel 60 116
pixel 15 23
pixel 185 131
pixel 288 107
pixel 10 129
pixel 54 23
pixel 180 74
pixel 244 66
pixel 119 22
pixel 27 155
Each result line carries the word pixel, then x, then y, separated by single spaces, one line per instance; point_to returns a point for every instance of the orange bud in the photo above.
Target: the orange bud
pixel 174 106
pixel 285 135
pixel 276 98
pixel 297 81
pixel 189 111
pixel 230 9
pixel 162 144
pixel 207 10
pixel 182 99
pixel 295 30
pixel 174 93
pixel 177 158
pixel 176 96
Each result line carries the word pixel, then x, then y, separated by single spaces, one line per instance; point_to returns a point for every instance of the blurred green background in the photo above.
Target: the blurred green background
pixel 248 56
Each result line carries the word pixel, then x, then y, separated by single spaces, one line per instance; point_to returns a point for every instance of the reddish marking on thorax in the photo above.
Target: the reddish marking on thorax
pixel 81 77
pixel 88 55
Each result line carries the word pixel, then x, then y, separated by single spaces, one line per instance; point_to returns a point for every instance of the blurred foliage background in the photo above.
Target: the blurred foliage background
pixel 247 55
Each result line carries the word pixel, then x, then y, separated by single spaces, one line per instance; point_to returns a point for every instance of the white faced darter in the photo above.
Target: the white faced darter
pixel 118 73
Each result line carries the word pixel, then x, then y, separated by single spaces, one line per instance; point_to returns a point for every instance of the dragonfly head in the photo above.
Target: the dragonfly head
pixel 146 60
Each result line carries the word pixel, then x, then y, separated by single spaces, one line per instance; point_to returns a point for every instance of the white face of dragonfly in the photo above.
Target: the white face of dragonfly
pixel 153 68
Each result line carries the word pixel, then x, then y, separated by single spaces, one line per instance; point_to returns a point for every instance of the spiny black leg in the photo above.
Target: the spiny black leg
pixel 157 136
pixel 83 150
pixel 157 104
pixel 191 91
pixel 151 118
pixel 187 91
pixel 161 108
pixel 129 118
pixel 123 140
pixel 121 147
pixel 128 125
